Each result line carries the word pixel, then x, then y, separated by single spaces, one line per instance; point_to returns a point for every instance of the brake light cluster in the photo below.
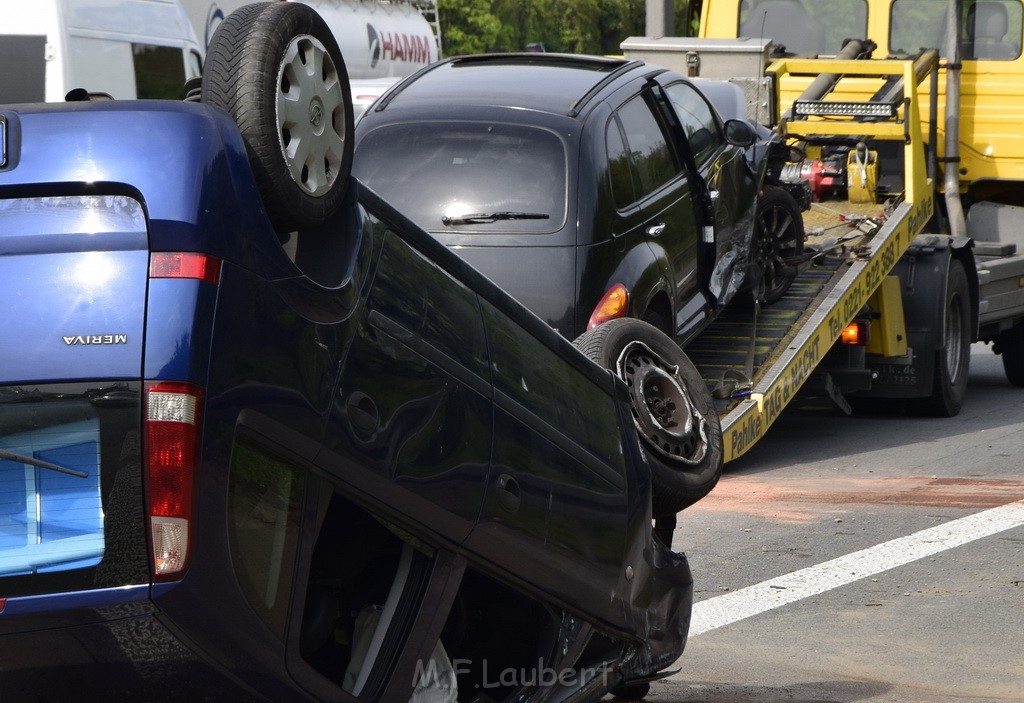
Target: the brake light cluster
pixel 187 264
pixel 172 436
pixel 172 444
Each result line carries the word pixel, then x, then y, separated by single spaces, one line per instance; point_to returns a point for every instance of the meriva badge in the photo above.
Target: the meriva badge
pixel 80 339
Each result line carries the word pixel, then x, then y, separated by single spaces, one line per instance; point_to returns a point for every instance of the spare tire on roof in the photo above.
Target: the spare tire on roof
pixel 276 68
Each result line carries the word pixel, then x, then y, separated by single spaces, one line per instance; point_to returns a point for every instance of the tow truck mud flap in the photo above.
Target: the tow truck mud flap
pixel 74 286
pixel 922 272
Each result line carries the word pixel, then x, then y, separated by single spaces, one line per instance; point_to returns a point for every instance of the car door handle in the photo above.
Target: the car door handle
pixel 363 416
pixel 656 229
pixel 508 493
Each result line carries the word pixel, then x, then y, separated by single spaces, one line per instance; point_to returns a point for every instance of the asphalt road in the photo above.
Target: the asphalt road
pixel 803 595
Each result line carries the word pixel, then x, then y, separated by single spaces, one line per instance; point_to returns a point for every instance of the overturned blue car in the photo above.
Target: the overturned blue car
pixel 262 437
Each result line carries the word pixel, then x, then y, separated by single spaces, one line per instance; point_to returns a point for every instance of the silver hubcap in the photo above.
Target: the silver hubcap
pixel 310 115
pixel 662 411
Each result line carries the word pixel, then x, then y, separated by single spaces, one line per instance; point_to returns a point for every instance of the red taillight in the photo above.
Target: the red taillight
pixel 172 441
pixel 166 264
pixel 613 304
pixel 855 334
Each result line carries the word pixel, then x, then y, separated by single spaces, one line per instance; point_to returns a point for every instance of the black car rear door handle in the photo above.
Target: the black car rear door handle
pixel 656 229
pixel 508 493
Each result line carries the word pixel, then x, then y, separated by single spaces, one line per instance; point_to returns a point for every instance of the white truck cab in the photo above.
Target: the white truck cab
pixel 125 48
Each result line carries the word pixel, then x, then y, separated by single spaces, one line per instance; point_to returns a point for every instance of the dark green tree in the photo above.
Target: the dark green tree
pixel 468 27
pixel 567 26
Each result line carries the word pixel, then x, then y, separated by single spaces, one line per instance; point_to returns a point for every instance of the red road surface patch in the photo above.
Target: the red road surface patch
pixel 802 500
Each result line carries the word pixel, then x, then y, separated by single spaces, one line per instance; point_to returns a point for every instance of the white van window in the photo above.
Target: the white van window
pixel 127 71
pixel 27 84
pixel 159 71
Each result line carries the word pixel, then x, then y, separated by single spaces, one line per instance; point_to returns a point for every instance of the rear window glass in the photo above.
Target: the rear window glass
pixel 468 176
pixel 70 488
pixel 264 502
pixel 989 29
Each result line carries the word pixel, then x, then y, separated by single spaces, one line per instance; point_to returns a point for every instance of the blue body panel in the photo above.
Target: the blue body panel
pixel 191 182
pixel 88 191
pixel 59 320
pixel 178 322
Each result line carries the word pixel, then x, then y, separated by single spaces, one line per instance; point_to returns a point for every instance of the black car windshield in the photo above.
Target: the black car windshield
pixel 468 176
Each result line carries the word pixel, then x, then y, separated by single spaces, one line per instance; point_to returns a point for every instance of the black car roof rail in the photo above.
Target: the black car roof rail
pixel 539 57
pixel 394 90
pixel 577 107
pixel 620 67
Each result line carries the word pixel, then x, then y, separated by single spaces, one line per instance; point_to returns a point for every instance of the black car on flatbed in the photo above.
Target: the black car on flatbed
pixel 589 188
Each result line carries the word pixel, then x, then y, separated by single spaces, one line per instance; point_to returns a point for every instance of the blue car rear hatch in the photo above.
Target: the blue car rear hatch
pixel 74 271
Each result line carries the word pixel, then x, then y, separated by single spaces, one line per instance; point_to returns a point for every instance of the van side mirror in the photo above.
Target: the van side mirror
pixel 740 133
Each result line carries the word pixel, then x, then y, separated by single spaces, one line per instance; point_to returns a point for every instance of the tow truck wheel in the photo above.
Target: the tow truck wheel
pixel 1011 347
pixel 276 68
pixel 778 241
pixel 672 409
pixel 952 361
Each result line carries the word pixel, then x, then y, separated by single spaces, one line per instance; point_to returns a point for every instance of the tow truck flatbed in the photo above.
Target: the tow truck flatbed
pixel 794 334
pixel 756 361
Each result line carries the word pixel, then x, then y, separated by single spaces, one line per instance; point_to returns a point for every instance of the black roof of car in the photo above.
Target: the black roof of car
pixel 556 83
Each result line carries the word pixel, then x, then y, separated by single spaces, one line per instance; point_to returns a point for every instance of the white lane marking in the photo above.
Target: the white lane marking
pixel 761 597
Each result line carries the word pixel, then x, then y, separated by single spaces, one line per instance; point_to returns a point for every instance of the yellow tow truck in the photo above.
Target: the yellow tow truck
pixel 904 121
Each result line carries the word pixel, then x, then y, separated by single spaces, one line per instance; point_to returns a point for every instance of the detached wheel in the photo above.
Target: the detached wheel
pixel 673 412
pixel 1010 346
pixel 275 67
pixel 952 361
pixel 778 240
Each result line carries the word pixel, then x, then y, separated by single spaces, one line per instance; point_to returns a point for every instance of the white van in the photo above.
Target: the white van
pixel 125 48
pixel 389 39
pixel 382 41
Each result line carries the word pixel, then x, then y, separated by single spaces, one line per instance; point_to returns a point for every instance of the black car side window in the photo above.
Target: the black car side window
pixel 697 119
pixel 653 159
pixel 619 171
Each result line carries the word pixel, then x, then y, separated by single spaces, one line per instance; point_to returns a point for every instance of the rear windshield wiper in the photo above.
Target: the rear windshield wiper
pixel 477 218
pixel 32 461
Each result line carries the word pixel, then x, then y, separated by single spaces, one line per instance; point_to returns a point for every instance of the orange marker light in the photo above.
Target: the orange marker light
pixel 613 304
pixel 855 334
